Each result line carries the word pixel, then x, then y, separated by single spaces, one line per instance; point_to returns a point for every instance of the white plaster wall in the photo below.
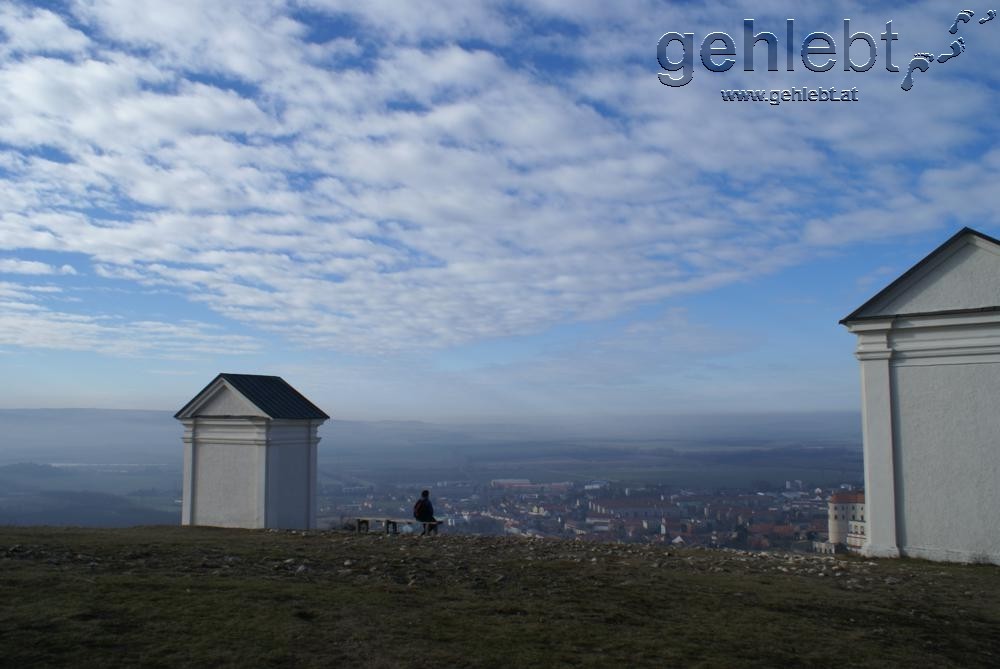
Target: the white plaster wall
pixel 226 485
pixel 232 430
pixel 876 419
pixel 250 472
pixel 227 402
pixel 968 278
pixel 947 454
pixel 289 432
pixel 288 486
pixel 291 496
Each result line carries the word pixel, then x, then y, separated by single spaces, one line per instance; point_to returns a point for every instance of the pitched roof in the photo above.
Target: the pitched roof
pixel 903 279
pixel 271 394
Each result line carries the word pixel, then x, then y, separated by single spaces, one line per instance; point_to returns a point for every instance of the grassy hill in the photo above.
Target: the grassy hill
pixel 171 596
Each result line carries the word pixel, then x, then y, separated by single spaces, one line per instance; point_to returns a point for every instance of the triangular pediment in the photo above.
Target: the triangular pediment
pixel 220 399
pixel 963 274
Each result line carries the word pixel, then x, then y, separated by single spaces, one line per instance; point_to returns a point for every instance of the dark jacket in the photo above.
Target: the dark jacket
pixel 423 510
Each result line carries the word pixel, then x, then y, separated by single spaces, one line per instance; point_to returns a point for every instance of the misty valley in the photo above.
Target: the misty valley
pixel 652 479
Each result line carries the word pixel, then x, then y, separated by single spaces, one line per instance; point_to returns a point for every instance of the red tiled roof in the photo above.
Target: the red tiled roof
pixel 848 498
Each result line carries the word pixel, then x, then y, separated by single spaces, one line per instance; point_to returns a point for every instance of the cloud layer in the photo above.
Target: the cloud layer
pixel 383 176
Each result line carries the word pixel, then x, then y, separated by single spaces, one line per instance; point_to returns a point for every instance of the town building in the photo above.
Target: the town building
pixel 250 454
pixel 929 348
pixel 845 523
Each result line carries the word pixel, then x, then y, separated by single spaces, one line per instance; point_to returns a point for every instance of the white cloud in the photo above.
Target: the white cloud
pixel 26 29
pixel 26 322
pixel 15 266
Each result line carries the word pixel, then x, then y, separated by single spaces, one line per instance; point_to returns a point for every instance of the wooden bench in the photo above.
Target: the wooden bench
pixel 363 523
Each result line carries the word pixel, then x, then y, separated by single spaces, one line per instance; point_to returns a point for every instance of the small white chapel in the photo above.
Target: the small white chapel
pixel 250 445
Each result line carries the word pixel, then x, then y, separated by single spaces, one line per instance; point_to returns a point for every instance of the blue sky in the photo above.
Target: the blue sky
pixel 460 210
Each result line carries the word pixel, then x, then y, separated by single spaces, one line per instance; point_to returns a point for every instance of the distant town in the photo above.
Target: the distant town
pixel 795 517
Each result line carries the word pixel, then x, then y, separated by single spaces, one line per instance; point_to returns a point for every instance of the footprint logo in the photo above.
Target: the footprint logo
pixel 964 16
pixel 921 61
pixel 957 47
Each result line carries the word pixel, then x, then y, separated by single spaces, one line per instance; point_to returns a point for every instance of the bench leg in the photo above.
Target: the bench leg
pixel 362 526
pixel 391 527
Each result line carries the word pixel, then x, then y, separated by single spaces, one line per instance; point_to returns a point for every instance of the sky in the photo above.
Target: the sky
pixel 463 210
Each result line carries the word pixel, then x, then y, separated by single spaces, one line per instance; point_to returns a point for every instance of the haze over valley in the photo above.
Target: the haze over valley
pixel 117 468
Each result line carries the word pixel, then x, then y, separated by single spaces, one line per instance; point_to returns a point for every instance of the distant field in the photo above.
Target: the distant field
pixel 92 495
pixel 745 477
pixel 111 479
pixel 202 597
pixel 735 468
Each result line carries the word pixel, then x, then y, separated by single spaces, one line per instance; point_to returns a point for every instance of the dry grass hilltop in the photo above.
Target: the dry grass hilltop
pixel 173 596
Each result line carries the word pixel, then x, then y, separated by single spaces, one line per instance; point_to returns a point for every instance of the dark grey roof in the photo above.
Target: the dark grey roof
pixel 853 316
pixel 271 394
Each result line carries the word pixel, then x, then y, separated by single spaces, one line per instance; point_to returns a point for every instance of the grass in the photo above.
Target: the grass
pixel 171 596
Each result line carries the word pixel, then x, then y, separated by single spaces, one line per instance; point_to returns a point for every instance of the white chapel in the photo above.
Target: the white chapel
pixel 250 446
pixel 929 348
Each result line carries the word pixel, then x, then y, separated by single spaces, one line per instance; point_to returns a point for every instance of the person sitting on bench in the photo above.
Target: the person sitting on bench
pixel 423 511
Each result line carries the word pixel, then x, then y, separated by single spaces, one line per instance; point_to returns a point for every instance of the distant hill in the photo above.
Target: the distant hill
pixel 90 436
pixel 93 496
pixel 81 508
pixel 196 597
pixel 99 436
